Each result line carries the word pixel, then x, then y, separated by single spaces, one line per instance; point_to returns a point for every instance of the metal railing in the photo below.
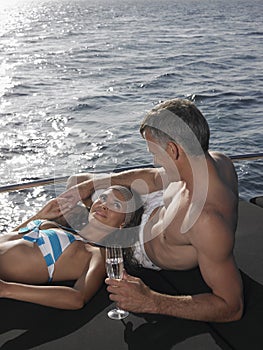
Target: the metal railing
pixel 249 156
pixel 55 180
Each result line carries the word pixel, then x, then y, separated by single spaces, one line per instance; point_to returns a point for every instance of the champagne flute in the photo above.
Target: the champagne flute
pixel 114 267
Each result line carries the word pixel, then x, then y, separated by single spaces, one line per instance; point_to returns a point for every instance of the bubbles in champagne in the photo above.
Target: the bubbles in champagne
pixel 114 267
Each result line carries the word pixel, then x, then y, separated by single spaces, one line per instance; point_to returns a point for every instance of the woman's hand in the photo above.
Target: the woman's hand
pixel 55 208
pixel 71 196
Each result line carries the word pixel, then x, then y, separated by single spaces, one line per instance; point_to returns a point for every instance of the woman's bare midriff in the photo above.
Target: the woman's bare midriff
pixel 29 266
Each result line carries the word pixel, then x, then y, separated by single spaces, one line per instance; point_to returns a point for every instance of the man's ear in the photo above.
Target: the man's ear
pixel 173 150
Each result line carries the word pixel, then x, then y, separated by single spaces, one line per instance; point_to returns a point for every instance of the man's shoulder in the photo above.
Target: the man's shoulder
pixel 226 173
pixel 210 213
pixel 221 160
pixel 212 234
pixel 211 223
pixel 219 156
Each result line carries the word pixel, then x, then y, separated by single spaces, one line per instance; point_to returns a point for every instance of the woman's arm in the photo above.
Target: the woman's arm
pixel 61 297
pixel 54 209
pixel 141 180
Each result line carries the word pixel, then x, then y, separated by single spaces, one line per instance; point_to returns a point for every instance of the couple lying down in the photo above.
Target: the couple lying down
pixel 46 248
pixel 194 227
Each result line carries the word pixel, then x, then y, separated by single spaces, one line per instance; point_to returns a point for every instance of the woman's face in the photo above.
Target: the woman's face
pixel 110 208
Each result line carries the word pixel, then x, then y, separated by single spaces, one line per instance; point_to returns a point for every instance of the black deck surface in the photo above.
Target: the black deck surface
pixel 30 326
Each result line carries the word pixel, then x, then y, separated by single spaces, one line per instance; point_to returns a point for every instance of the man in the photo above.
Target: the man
pixel 194 226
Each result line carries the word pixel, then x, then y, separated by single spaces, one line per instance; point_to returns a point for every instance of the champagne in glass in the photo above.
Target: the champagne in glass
pixel 114 267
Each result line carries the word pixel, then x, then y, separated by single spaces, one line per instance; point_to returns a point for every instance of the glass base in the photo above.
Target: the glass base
pixel 117 314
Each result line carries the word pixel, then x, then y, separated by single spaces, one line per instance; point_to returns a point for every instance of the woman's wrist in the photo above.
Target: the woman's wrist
pixel 37 216
pixel 85 190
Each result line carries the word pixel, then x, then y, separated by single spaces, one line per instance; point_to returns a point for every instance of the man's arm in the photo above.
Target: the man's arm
pixel 214 243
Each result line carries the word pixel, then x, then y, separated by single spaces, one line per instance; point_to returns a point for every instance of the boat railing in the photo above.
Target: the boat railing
pixel 60 179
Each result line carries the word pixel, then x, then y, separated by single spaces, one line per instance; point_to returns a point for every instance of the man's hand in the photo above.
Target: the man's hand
pixel 131 294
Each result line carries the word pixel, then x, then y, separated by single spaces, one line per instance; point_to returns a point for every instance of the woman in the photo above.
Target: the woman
pixel 41 250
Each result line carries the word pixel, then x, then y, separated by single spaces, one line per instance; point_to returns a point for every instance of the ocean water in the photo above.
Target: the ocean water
pixel 76 78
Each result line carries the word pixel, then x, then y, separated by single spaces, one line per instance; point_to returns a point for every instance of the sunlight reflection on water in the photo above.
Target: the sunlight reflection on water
pixel 76 78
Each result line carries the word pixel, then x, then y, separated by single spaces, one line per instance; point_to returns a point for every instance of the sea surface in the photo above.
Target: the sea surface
pixel 76 78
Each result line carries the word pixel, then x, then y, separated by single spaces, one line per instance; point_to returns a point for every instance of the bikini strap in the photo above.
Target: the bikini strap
pixel 32 225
